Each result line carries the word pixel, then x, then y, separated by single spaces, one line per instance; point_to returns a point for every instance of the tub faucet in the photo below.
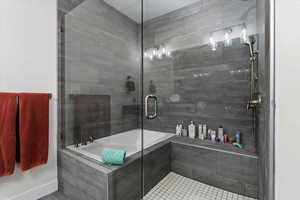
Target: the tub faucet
pixel 85 140
pixel 91 139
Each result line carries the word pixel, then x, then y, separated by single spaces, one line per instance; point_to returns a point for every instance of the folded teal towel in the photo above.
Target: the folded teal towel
pixel 113 156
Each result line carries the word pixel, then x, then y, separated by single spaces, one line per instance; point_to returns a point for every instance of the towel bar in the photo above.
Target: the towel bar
pixel 50 97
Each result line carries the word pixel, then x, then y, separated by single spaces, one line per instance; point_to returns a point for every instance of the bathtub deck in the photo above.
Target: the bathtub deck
pixel 176 187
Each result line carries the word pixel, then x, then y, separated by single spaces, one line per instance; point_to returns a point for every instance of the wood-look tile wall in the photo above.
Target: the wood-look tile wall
pixel 232 172
pixel 100 47
pixel 213 86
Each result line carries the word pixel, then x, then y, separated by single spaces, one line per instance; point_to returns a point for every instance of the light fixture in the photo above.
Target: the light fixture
pixel 244 34
pixel 227 39
pixel 213 44
pixel 164 50
pixel 228 33
pixel 157 52
pixel 168 53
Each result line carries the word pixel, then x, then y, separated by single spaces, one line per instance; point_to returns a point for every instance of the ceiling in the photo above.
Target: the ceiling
pixel 152 8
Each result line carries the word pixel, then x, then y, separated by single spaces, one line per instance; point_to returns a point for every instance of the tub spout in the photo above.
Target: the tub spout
pixel 91 139
pixel 85 140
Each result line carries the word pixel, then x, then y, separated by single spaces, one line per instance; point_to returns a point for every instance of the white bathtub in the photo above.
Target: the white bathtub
pixel 129 141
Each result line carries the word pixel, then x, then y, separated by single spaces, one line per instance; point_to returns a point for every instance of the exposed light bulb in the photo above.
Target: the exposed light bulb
pixel 154 52
pixel 227 39
pixel 164 51
pixel 213 43
pixel 169 53
pixel 157 52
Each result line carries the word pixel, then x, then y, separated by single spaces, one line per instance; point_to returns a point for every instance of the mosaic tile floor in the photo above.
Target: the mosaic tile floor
pixel 176 187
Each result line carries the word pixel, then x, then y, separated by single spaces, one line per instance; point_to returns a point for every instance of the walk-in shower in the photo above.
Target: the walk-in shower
pixel 176 87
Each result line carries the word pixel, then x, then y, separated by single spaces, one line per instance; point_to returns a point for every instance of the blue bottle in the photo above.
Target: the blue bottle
pixel 238 137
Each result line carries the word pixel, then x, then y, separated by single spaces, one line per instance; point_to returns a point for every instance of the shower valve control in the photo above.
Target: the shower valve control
pixel 253 103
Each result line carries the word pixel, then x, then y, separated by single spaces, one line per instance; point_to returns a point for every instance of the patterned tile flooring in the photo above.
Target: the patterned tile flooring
pixel 176 187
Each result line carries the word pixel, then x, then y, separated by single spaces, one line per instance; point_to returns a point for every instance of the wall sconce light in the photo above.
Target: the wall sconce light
pixel 227 31
pixel 157 52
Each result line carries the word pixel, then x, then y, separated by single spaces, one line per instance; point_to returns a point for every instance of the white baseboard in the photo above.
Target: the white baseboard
pixel 37 192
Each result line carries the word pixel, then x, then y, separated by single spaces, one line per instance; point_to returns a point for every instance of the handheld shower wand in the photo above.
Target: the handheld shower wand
pixel 255 98
pixel 253 76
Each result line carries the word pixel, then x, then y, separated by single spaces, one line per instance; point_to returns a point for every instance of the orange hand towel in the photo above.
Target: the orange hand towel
pixel 8 116
pixel 33 129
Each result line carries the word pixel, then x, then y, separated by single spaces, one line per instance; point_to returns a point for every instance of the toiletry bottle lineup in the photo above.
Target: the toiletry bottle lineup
pixel 208 134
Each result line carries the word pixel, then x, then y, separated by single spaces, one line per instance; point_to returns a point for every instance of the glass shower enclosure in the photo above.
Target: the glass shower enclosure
pixel 168 83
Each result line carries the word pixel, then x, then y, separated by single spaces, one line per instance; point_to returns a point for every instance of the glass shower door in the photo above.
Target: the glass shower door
pixel 100 76
pixel 196 74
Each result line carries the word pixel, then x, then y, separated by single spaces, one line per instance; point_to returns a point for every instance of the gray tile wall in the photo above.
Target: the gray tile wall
pixel 101 50
pixel 219 98
pixel 83 179
pixel 232 172
pixel 191 26
pixel 126 181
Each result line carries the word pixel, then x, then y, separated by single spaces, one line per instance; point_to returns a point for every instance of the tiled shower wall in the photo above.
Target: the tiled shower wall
pixel 101 50
pixel 213 86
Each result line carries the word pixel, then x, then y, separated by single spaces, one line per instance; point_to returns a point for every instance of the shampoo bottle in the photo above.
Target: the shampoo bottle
pixel 221 134
pixel 200 132
pixel 192 130
pixel 213 136
pixel 183 131
pixel 178 131
pixel 238 137
pixel 204 131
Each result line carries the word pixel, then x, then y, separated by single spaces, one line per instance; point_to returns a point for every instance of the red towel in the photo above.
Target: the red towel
pixel 8 116
pixel 33 129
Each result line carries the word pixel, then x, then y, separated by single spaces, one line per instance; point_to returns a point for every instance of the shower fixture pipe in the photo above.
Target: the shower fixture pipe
pixel 255 98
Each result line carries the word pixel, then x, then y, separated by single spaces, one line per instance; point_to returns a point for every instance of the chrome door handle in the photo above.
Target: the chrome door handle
pixel 153 116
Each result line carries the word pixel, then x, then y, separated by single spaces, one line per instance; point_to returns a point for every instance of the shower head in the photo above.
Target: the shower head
pixel 250 42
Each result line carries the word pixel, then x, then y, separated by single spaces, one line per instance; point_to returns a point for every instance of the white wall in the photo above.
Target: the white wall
pixel 287 64
pixel 28 64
